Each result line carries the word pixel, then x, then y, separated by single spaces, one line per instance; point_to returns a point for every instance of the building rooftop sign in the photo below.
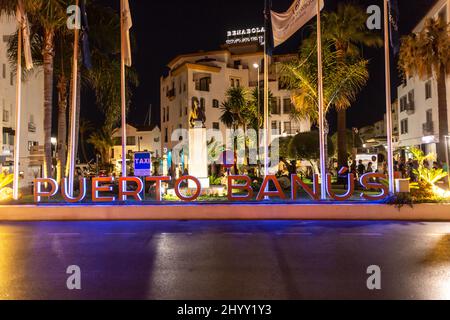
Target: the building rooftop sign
pixel 247 35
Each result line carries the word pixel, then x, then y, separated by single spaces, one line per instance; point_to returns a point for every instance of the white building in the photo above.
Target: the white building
pixel 418 100
pixel 207 76
pixel 32 135
pixel 139 139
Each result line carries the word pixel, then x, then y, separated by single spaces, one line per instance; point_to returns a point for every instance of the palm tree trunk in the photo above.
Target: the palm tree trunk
pixel 77 112
pixel 62 126
pixel 443 114
pixel 342 138
pixel 48 56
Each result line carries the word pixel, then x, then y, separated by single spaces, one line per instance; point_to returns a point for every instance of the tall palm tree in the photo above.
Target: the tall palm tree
pixel 102 142
pixel 85 128
pixel 346 30
pixel 49 15
pixel 426 55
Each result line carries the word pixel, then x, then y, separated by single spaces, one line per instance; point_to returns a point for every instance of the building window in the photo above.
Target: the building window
pixel 131 141
pixel 216 125
pixel 11 79
pixel 429 116
pixel 276 106
pixel 164 115
pixel 181 110
pixel 411 104
pixel 287 127
pixel 4 71
pixel 32 144
pixel 215 103
pixel 185 111
pixel 167 114
pixel 202 103
pixel 287 104
pixel 203 84
pixel 5 115
pixel 404 126
pixel 166 135
pixel 235 82
pixel 274 125
pixel 428 92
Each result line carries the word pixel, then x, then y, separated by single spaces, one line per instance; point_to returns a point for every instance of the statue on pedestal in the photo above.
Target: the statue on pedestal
pixel 197 114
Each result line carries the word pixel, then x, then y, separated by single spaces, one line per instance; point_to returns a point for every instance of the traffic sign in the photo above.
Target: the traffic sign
pixel 142 164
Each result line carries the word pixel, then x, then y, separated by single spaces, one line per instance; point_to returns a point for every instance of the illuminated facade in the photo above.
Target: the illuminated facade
pixel 207 76
pixel 418 121
pixel 31 151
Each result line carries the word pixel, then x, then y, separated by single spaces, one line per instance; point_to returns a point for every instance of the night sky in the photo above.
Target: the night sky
pixel 165 29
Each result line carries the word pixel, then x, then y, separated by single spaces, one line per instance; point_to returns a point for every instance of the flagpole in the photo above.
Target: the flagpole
pixel 323 167
pixel 390 160
pixel 266 98
pixel 18 115
pixel 123 95
pixel 73 109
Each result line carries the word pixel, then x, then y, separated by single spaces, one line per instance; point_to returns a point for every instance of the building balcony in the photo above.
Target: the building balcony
pixel 171 94
pixel 428 128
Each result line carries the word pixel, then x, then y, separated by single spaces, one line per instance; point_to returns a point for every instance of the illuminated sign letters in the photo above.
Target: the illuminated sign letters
pixel 102 188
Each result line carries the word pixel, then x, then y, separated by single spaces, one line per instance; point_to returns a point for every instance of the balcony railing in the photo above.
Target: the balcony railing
pixel 428 128
pixel 171 93
pixel 411 107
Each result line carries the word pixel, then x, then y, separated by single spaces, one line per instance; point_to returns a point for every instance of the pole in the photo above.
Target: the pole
pixel 73 107
pixel 123 96
pixel 18 116
pixel 323 167
pixel 259 112
pixel 447 159
pixel 390 160
pixel 266 108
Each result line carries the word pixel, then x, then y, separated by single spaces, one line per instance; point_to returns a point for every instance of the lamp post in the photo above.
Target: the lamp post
pixel 257 67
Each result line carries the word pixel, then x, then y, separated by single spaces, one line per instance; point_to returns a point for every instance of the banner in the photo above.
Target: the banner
pixel 22 19
pixel 285 24
pixel 87 61
pixel 394 14
pixel 127 23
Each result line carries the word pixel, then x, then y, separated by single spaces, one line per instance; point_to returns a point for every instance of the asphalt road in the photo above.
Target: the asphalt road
pixel 225 260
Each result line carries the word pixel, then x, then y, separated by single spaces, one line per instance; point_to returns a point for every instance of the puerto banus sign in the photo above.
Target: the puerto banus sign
pixel 131 188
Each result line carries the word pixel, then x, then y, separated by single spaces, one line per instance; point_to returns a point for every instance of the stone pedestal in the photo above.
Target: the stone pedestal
pixel 198 156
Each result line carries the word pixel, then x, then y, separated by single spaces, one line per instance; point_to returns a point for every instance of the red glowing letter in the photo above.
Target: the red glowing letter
pixel 81 194
pixel 366 184
pixel 184 198
pixel 96 188
pixel 263 193
pixel 347 195
pixel 314 193
pixel 245 187
pixel 38 193
pixel 158 181
pixel 124 193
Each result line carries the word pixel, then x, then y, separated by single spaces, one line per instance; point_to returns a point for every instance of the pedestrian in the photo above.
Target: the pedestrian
pixel 361 168
pixel 369 168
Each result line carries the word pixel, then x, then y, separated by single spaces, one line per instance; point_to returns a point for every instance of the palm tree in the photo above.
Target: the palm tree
pixel 102 142
pixel 346 30
pixel 85 128
pixel 49 15
pixel 425 55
